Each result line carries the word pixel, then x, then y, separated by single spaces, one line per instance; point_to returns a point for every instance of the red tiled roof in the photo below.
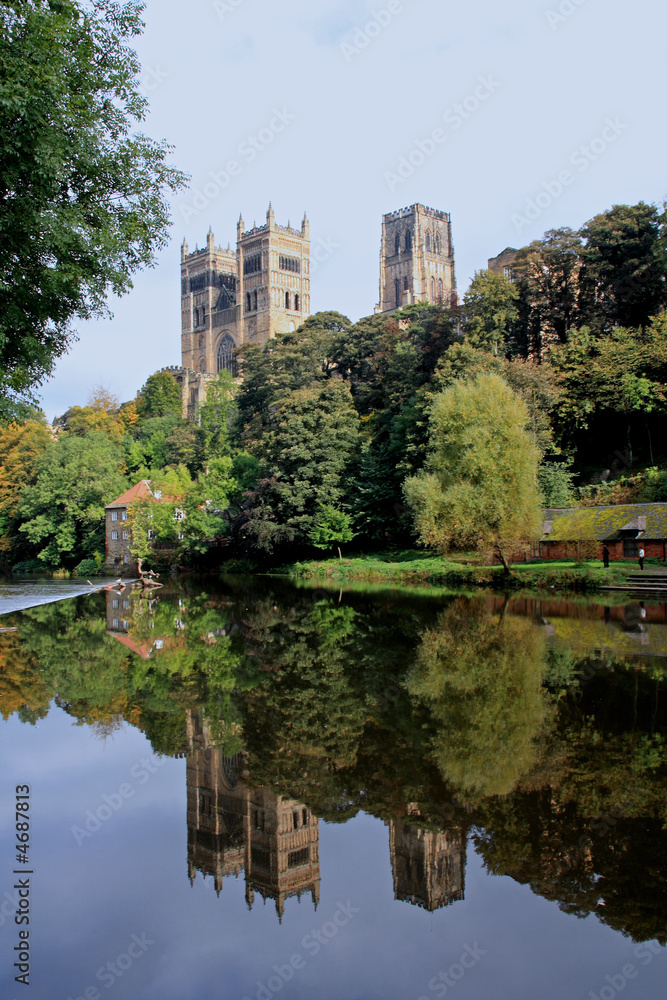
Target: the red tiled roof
pixel 139 492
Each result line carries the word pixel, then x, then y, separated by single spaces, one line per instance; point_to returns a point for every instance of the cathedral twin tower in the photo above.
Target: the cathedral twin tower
pixel 262 288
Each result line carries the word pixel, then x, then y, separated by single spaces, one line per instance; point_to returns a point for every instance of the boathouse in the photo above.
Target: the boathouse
pixel 582 532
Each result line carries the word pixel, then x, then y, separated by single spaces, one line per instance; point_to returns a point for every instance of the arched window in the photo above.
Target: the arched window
pixel 440 290
pixel 225 358
pixel 432 289
pixel 437 243
pixel 254 300
pixel 428 241
pixel 202 341
pixel 202 364
pixel 296 302
pixel 287 300
pixel 397 244
pixel 247 301
pixel 408 241
pixel 202 317
pixel 405 283
pixel 397 292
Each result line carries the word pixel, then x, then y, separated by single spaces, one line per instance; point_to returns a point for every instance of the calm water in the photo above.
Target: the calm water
pixel 250 791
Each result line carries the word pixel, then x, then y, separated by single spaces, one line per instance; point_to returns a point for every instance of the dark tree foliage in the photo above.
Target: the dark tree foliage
pixel 82 197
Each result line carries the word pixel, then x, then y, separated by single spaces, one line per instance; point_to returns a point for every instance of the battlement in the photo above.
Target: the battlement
pixel 403 213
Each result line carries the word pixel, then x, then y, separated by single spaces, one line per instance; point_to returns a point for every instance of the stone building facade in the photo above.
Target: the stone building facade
pixel 428 866
pixel 416 259
pixel 502 264
pixel 234 829
pixel 247 295
pixel 117 532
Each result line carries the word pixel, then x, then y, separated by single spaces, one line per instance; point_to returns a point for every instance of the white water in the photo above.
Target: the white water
pixel 21 594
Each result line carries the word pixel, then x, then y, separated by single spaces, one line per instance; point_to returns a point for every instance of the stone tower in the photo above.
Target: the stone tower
pixel 247 295
pixel 428 867
pixel 416 258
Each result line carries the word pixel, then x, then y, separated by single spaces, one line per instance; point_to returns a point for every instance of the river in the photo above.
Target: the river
pixel 240 789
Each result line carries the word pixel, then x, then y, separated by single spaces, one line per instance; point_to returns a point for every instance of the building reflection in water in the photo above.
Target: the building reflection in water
pixel 234 829
pixel 428 866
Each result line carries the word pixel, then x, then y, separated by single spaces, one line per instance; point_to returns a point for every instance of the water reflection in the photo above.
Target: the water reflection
pixel 532 729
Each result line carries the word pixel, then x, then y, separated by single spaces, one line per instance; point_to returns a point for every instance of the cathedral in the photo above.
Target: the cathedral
pixel 262 288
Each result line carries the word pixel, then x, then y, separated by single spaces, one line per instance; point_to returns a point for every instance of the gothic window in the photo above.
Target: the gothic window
pixel 296 302
pixel 202 341
pixel 290 264
pixel 405 283
pixel 247 301
pixel 296 859
pixel 287 300
pixel 397 244
pixel 202 364
pixel 432 289
pixel 428 241
pixel 252 265
pixel 254 300
pixel 225 359
pixel 397 292
pixel 408 241
pixel 202 318
pixel 440 290
pixel 437 243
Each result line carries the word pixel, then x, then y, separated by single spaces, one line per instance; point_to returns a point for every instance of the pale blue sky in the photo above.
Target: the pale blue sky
pixel 361 87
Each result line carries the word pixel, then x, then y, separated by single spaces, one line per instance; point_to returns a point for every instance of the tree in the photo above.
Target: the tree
pixel 217 414
pixel 547 273
pixel 62 513
pixel 623 274
pixel 490 310
pixel 331 527
pixel 480 485
pixel 21 445
pixel 161 396
pixel 82 198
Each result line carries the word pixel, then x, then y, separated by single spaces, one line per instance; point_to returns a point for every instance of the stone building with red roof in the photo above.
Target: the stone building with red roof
pixel 117 530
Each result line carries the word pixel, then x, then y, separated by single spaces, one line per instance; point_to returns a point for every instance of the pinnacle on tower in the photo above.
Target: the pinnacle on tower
pixel 305 226
pixel 270 216
pixel 184 249
pixel 240 226
pixel 210 241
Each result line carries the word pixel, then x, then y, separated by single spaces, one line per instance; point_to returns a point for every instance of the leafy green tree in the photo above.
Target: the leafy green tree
pixel 83 199
pixel 160 396
pixel 555 482
pixel 490 311
pixel 21 445
pixel 480 486
pixel 331 527
pixel 623 276
pixel 62 512
pixel 217 414
pixel 547 274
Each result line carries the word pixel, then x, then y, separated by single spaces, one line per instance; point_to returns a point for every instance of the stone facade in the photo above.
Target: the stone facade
pixel 428 867
pixel 416 259
pixel 247 295
pixel 117 533
pixel 234 829
pixel 502 264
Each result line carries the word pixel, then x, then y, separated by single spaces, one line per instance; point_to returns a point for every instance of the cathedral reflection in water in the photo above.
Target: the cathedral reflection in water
pixel 274 841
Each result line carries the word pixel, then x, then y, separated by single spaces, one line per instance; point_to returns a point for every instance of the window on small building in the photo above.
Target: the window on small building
pixel 114 515
pixel 126 624
pixel 115 603
pixel 630 548
pixel 151 533
pixel 114 536
pixel 115 623
pixel 124 516
pixel 126 534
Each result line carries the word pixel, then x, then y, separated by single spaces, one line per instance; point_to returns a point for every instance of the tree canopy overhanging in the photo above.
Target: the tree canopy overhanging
pixel 82 196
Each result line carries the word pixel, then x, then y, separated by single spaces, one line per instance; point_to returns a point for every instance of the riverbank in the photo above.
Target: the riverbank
pixel 413 567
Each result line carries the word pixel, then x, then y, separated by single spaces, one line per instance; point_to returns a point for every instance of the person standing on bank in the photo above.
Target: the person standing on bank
pixel 605 557
pixel 641 559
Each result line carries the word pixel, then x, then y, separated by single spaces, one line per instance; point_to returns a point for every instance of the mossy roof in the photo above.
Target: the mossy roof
pixel 606 524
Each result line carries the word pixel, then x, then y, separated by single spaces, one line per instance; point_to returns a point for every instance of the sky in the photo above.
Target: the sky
pixel 516 118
